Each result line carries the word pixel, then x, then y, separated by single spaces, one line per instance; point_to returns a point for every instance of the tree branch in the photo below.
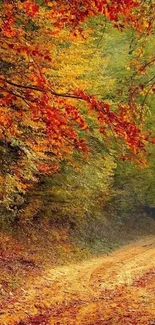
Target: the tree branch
pixel 42 90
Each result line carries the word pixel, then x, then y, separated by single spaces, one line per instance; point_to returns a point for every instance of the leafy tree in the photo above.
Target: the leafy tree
pixel 73 196
pixel 41 123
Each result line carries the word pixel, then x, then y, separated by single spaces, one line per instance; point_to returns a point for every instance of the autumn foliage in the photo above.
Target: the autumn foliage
pixel 40 125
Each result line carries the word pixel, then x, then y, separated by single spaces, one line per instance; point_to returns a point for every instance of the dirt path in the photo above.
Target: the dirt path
pixel 108 290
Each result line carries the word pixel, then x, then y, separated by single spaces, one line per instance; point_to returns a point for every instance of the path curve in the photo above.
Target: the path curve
pixel 81 294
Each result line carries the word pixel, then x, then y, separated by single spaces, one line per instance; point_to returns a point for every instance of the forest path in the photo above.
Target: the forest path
pixel 113 289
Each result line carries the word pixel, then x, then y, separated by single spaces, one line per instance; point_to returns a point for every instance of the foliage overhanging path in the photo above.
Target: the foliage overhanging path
pixel 41 123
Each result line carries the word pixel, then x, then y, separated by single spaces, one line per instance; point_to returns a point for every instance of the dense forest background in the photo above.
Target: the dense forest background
pixel 77 162
pixel 94 201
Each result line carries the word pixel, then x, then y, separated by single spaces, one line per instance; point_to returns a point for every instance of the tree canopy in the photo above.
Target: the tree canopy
pixel 45 117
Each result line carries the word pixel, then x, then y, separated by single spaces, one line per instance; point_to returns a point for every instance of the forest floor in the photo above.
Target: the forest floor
pixel 117 288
